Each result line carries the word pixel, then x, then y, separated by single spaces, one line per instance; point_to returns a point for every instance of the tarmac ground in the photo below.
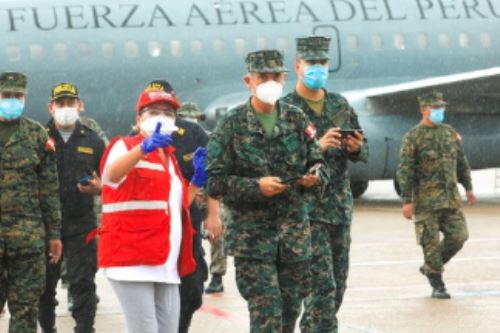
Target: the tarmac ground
pixel 386 293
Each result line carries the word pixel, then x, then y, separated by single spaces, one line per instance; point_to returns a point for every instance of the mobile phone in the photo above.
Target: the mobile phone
pixel 85 180
pixel 346 132
pixel 290 179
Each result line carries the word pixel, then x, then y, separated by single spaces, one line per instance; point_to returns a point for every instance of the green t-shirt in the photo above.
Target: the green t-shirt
pixel 7 128
pixel 316 106
pixel 267 120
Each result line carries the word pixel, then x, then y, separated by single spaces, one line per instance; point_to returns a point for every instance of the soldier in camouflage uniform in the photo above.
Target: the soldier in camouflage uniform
pixel 29 204
pixel 331 216
pixel 251 157
pixel 190 112
pixel 432 161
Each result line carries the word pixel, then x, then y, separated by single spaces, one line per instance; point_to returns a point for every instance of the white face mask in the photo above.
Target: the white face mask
pixel 148 125
pixel 269 92
pixel 66 116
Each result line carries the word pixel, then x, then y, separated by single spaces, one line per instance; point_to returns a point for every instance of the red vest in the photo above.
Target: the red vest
pixel 135 226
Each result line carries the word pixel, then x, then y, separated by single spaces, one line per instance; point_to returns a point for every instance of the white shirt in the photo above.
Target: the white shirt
pixel 168 272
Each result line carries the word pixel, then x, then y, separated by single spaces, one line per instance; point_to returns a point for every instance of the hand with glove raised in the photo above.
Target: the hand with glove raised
pixel 200 175
pixel 156 140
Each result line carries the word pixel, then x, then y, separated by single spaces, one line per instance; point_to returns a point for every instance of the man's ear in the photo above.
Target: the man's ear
pixel 50 108
pixel 248 81
pixel 81 106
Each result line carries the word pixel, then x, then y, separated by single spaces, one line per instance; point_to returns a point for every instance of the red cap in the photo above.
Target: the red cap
pixel 149 97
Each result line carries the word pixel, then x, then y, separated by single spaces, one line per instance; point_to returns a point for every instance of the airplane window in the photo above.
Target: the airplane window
pixel 131 49
pixel 108 49
pixel 444 40
pixel 61 51
pixel 196 46
pixel 84 49
pixel 13 53
pixel 218 45
pixel 463 40
pixel 154 49
pixel 352 42
pixel 175 48
pixel 378 42
pixel 282 43
pixel 240 45
pixel 422 41
pixel 399 41
pixel 261 43
pixel 36 51
pixel 485 39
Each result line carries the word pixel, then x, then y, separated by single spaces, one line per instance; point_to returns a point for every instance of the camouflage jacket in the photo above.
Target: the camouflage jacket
pixel 238 155
pixel 432 161
pixel 335 207
pixel 29 196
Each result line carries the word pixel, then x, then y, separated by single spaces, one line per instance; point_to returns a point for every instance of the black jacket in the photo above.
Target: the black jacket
pixel 77 157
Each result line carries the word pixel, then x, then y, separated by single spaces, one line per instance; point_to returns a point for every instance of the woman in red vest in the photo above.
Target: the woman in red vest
pixel 146 236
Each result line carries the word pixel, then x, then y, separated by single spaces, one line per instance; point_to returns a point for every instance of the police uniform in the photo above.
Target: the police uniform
pixel 432 161
pixel 189 137
pixel 269 237
pixel 77 157
pixel 29 211
pixel 331 215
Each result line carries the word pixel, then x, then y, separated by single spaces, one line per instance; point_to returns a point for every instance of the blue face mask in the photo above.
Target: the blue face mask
pixel 437 116
pixel 315 76
pixel 11 108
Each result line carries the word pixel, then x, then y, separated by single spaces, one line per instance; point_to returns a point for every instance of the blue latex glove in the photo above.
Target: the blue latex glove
pixel 200 175
pixel 156 140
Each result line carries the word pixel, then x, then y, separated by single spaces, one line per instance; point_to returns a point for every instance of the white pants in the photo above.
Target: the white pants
pixel 149 307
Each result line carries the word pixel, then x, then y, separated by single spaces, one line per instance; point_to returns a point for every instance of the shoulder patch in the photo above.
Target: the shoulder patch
pixel 50 144
pixel 310 131
pixel 181 131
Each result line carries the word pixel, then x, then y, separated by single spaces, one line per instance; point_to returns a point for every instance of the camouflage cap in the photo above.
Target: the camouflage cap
pixel 265 61
pixel 190 110
pixel 433 98
pixel 13 82
pixel 64 89
pixel 313 48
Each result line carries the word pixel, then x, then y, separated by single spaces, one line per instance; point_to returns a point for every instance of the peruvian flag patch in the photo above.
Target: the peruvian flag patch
pixel 310 131
pixel 50 145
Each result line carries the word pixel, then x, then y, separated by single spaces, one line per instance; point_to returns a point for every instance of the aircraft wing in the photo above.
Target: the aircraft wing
pixel 471 92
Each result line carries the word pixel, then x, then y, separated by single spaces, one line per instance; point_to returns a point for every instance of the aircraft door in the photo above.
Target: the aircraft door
pixel 332 32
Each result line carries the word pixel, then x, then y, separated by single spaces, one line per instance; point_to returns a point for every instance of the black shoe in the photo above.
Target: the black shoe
pixel 438 288
pixel 215 285
pixel 440 293
pixel 70 302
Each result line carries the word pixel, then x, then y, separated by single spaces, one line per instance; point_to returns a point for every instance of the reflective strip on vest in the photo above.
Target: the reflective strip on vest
pixel 134 205
pixel 149 165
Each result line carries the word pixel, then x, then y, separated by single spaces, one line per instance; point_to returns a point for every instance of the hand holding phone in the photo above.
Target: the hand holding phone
pixel 350 132
pixel 85 180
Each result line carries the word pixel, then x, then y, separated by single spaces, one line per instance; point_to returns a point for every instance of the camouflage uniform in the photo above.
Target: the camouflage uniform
pixel 331 215
pixel 432 161
pixel 268 236
pixel 218 257
pixel 29 210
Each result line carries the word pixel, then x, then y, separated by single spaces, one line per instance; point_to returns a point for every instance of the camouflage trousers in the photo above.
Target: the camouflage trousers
pixel 274 292
pixel 437 252
pixel 23 274
pixel 329 267
pixel 218 257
